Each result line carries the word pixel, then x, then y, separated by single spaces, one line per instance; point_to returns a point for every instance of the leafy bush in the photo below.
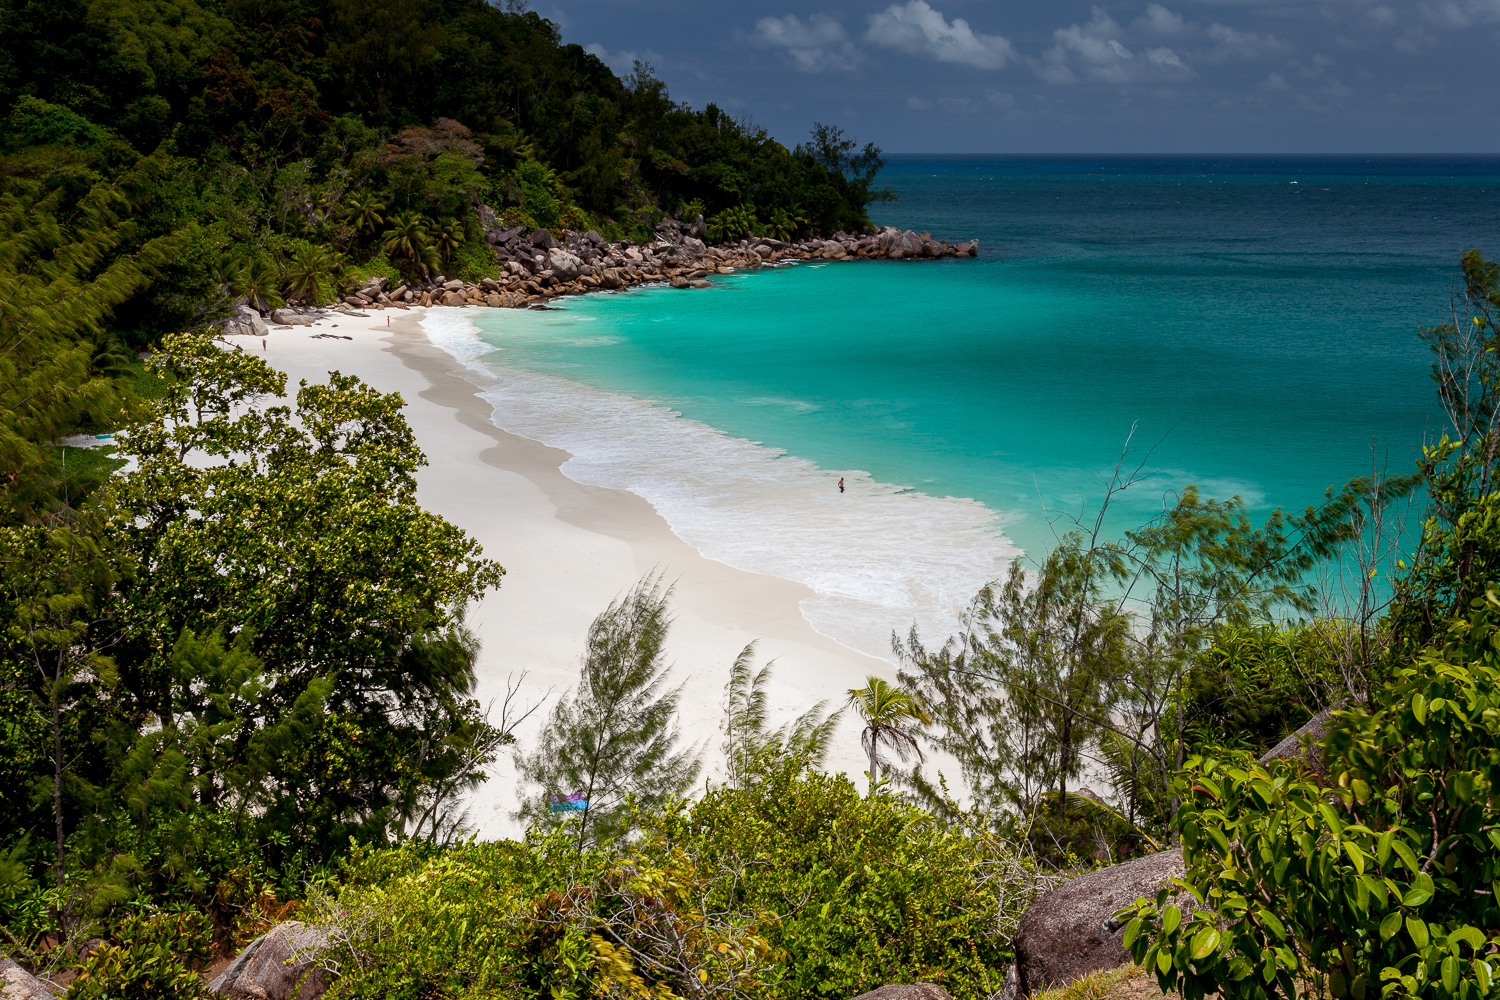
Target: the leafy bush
pixel 790 886
pixel 1383 884
pixel 34 122
pixel 155 959
pixel 474 260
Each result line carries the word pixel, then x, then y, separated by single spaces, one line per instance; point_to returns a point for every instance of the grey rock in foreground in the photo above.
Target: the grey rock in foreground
pixel 1071 931
pixel 278 965
pixel 907 991
pixel 18 984
pixel 1306 744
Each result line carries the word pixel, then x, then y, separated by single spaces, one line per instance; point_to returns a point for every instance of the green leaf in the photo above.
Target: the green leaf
pixel 1164 961
pixel 1269 921
pixel 1406 854
pixel 1390 925
pixel 1450 974
pixel 1418 931
pixel 1383 847
pixel 1419 708
pixel 1132 929
pixel 1204 943
pixel 1470 936
pixel 1171 917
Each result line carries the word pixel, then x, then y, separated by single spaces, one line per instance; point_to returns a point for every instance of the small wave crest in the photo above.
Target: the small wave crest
pixel 879 557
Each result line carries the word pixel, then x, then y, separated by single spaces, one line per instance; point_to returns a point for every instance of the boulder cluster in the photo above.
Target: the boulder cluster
pixel 537 267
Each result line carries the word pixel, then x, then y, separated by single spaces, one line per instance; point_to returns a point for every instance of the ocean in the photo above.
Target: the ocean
pixel 1245 324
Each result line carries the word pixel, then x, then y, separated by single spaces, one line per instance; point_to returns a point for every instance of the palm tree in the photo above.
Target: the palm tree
pixel 888 712
pixel 447 238
pixel 257 282
pixel 408 237
pixel 783 225
pixel 304 274
pixel 364 211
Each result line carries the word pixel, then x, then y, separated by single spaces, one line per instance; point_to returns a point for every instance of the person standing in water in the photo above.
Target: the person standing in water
pixel 841 484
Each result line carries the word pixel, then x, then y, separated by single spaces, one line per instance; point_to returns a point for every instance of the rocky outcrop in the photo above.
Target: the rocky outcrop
pixel 290 317
pixel 907 991
pixel 1306 744
pixel 279 965
pixel 18 984
pixel 1071 931
pixel 538 267
pixel 244 321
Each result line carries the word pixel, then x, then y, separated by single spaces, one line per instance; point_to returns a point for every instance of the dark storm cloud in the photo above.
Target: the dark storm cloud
pixel 1184 76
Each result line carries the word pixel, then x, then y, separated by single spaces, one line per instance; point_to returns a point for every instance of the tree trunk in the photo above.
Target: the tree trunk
pixel 874 764
pixel 58 914
pixel 1063 763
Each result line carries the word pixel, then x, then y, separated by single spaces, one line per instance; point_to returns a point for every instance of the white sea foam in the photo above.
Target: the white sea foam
pixel 879 557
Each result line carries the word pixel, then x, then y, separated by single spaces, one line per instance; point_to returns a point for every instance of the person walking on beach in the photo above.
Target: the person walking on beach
pixel 263 343
pixel 841 484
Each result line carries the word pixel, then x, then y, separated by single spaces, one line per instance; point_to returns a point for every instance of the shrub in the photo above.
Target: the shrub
pixel 1382 885
pixel 155 959
pixel 474 260
pixel 790 886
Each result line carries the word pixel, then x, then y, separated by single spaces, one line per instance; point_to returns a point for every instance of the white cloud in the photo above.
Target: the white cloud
pixel 817 44
pixel 1095 52
pixel 1462 13
pixel 999 98
pixel 916 28
pixel 1161 21
pixel 1233 44
pixel 622 62
pixel 917 104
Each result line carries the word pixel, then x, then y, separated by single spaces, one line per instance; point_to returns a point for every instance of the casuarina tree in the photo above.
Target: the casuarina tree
pixel 615 736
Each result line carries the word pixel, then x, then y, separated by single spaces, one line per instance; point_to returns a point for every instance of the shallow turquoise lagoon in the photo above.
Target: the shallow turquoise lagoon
pixel 1249 325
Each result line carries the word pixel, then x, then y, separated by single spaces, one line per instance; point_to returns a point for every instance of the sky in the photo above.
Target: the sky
pixel 1004 76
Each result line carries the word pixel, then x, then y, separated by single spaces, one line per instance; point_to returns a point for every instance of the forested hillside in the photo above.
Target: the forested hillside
pixel 321 139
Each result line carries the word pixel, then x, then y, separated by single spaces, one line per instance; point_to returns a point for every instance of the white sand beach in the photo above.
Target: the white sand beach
pixel 568 549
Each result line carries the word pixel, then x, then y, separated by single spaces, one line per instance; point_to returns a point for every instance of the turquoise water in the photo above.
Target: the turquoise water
pixel 1252 322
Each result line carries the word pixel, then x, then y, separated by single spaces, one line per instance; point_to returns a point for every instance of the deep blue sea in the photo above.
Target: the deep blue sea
pixel 1248 324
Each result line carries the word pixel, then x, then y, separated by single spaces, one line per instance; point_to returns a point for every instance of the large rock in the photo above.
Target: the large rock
pixel 285 317
pixel 1071 931
pixel 279 965
pixel 1306 744
pixel 542 240
pixel 907 991
pixel 245 322
pixel 18 984
pixel 563 264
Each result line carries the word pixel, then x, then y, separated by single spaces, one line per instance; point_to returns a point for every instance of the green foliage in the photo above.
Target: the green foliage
pixel 615 738
pixel 732 224
pixel 378 266
pixel 1383 885
pixel 748 741
pixel 149 962
pixel 1457 559
pixel 889 713
pixel 784 225
pixel 34 122
pixel 792 885
pixel 473 260
pixel 360 625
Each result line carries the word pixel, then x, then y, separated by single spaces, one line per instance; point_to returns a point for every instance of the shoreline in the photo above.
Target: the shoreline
pixel 570 548
pixel 535 268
